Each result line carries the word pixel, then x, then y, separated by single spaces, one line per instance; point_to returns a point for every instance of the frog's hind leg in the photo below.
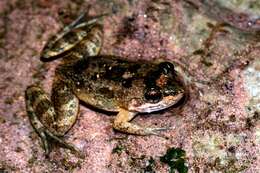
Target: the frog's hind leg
pixel 80 30
pixel 121 123
pixel 91 44
pixel 44 119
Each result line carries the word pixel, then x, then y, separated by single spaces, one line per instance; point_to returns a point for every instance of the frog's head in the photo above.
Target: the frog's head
pixel 163 88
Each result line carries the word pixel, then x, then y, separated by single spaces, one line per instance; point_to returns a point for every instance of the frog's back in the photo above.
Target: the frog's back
pixel 106 82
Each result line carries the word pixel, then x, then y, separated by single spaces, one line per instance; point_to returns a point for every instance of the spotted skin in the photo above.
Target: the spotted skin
pixel 85 36
pixel 42 115
pixel 105 82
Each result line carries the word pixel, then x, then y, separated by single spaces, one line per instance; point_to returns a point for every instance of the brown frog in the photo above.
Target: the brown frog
pixel 105 82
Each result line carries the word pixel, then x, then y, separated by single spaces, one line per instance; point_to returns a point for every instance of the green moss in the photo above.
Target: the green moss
pixel 150 167
pixel 118 149
pixel 174 157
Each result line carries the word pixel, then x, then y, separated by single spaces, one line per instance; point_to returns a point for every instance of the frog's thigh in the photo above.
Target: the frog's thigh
pixel 92 43
pixel 66 106
pixel 121 123
pixel 79 31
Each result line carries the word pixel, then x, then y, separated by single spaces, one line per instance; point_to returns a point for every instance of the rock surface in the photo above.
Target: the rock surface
pixel 218 127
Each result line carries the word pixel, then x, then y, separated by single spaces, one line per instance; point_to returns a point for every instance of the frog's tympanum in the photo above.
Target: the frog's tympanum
pixel 108 83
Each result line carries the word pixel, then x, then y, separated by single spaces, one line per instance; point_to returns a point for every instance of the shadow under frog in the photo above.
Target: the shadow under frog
pixel 108 83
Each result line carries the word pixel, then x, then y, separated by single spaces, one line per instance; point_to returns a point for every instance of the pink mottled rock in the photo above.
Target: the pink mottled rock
pixel 218 126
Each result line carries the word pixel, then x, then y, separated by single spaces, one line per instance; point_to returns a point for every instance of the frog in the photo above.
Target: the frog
pixel 105 82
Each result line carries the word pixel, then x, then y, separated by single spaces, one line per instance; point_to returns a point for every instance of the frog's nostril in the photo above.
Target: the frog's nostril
pixel 153 94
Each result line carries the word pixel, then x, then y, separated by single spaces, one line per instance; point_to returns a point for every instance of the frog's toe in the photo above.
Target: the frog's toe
pixel 67 145
pixel 157 131
pixel 45 141
pixel 46 136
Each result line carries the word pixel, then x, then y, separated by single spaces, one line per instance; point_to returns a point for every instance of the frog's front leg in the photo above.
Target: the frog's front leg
pixel 121 123
pixel 52 119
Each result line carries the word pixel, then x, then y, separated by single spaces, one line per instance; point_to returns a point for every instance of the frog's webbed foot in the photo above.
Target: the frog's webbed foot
pixel 44 119
pixel 121 123
pixel 60 141
pixel 46 135
pixel 84 20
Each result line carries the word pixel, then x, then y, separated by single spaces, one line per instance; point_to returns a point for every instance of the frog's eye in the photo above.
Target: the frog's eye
pixel 153 94
pixel 166 67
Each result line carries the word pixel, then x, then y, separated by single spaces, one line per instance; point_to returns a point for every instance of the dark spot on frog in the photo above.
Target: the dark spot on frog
pixel 106 92
pixel 114 73
pixel 101 64
pixel 43 106
pixel 33 96
pixel 81 65
pixel 94 77
pixel 72 37
pixel 134 68
pixel 70 111
pixel 61 92
pixel 73 78
pixel 93 65
pixel 127 83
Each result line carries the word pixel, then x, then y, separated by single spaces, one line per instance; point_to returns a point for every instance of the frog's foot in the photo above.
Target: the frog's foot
pixel 82 21
pixel 44 119
pixel 67 145
pixel 121 123
pixel 45 135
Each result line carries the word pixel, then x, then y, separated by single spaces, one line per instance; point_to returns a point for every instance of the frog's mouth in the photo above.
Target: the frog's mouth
pixel 166 102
